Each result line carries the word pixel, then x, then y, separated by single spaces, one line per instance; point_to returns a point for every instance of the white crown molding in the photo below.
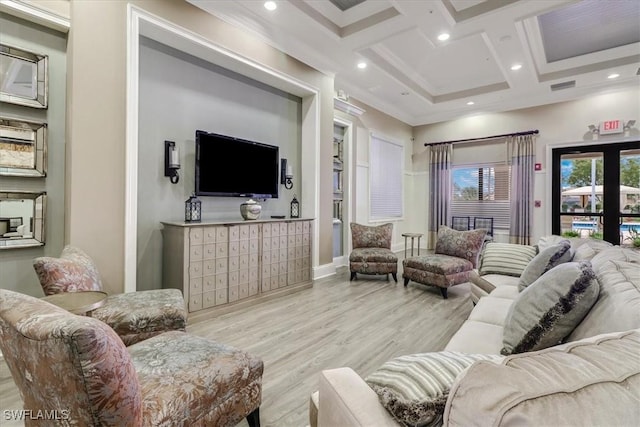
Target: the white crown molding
pixel 348 108
pixel 36 15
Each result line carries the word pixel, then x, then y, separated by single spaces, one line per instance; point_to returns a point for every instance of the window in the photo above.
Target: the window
pixel 482 190
pixel 385 179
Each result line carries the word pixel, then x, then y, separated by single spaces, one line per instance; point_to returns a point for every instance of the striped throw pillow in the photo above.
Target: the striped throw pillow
pixel 509 259
pixel 414 388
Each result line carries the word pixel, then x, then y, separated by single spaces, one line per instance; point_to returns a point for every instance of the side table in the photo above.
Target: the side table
pixel 412 236
pixel 78 302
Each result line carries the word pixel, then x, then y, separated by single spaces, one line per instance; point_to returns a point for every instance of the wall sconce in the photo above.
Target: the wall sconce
pixel 286 174
pixel 171 161
pixel 193 209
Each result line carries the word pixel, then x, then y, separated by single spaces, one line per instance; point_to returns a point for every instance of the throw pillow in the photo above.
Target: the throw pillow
pixel 460 244
pixel 74 271
pixel 545 261
pixel 590 248
pixel 414 388
pixel 509 259
pixel 550 308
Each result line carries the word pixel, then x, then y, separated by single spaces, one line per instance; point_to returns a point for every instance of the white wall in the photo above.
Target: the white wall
pixel 179 94
pixel 559 124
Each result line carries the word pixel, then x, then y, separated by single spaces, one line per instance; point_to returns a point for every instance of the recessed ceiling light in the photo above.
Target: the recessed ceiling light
pixel 470 103
pixel 516 67
pixel 613 76
pixel 270 5
pixel 444 36
pixel 362 65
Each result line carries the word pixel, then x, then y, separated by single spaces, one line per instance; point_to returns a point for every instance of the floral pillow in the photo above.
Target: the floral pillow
pixel 461 244
pixel 74 271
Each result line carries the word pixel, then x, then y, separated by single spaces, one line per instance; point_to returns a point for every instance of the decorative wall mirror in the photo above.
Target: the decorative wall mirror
pixel 22 219
pixel 23 77
pixel 23 148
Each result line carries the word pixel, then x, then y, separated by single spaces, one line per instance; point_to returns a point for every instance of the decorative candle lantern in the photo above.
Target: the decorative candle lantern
pixel 295 208
pixel 193 209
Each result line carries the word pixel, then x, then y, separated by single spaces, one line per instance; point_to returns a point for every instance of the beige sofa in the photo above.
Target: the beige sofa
pixel 593 378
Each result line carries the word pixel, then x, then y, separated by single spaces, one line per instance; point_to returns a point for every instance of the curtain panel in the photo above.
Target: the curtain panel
pixel 439 189
pixel 521 156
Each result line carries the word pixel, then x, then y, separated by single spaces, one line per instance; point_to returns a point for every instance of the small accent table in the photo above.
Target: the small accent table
pixel 78 302
pixel 412 236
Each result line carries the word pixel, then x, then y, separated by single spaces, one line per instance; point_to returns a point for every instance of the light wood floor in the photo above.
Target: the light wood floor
pixel 360 324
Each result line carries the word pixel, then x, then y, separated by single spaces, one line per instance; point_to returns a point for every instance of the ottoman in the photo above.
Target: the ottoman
pixel 438 270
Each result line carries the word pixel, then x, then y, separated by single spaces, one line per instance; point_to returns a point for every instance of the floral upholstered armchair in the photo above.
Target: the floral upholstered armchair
pixel 371 252
pixel 135 316
pixel 77 368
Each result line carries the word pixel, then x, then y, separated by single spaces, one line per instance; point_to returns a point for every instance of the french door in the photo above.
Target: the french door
pixel 596 191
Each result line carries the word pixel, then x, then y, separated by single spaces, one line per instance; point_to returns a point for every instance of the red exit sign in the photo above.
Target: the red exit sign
pixel 611 126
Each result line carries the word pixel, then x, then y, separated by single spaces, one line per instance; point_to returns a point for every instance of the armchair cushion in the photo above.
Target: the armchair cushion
pixel 461 244
pixel 364 236
pixel 74 271
pixel 373 255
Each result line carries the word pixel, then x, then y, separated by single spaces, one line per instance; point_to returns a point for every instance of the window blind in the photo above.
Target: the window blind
pixel 385 179
pixel 482 190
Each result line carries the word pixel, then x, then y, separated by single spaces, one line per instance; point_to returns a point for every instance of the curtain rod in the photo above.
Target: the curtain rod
pixel 528 132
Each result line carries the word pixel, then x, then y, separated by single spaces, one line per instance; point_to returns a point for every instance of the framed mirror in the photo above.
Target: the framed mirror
pixel 23 148
pixel 23 77
pixel 22 219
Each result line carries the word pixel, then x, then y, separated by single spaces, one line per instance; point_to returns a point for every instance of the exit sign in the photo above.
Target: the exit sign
pixel 611 126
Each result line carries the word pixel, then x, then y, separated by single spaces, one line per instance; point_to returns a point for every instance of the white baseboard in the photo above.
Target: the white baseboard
pixel 323 271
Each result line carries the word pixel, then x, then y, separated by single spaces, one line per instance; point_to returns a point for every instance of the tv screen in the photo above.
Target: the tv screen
pixel 234 167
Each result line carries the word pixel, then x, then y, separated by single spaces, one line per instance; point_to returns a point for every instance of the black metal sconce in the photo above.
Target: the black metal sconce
pixel 286 174
pixel 171 161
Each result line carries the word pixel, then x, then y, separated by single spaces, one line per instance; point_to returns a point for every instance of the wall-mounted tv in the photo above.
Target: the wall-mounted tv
pixel 234 167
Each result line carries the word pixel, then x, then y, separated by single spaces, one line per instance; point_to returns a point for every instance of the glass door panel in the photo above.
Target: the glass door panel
pixel 629 197
pixel 582 199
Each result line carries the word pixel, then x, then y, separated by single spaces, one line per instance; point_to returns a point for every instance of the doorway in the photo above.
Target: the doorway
pixel 596 191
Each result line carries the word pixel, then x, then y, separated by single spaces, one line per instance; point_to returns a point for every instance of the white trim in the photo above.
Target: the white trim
pixel 348 108
pixel 32 13
pixel 324 270
pixel 141 22
pixel 347 202
pixel 340 261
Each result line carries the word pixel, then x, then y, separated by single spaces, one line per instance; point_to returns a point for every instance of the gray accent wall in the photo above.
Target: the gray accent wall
pixel 16 265
pixel 180 94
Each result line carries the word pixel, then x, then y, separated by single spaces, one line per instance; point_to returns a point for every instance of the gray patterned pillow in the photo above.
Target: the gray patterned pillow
pixel 550 308
pixel 414 388
pixel 545 261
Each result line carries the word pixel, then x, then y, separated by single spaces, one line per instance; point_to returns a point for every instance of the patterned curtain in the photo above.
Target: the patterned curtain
pixel 520 155
pixel 439 189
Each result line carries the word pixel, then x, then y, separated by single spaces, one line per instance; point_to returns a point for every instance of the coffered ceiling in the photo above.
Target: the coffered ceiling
pixel 565 49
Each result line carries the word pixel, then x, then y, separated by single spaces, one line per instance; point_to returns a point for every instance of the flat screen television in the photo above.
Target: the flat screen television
pixel 234 167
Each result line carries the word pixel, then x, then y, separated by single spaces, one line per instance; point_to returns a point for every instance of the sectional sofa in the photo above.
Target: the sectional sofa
pixel 553 341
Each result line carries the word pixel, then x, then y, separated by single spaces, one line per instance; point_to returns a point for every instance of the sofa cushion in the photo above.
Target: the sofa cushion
pixel 614 253
pixel 509 259
pixel 414 388
pixel 590 248
pixel 618 305
pixel 74 271
pixel 545 261
pixel 591 382
pixel 460 244
pixel 550 308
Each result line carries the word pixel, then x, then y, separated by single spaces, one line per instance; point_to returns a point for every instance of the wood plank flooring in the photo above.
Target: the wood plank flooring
pixel 360 324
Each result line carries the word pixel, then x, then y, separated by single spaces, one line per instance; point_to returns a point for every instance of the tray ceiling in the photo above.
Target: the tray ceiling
pixel 566 49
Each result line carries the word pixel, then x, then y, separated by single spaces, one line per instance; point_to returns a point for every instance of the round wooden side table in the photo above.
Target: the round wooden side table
pixel 412 236
pixel 78 302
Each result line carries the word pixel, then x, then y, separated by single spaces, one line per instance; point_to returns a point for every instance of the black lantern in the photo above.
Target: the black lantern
pixel 193 209
pixel 295 208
